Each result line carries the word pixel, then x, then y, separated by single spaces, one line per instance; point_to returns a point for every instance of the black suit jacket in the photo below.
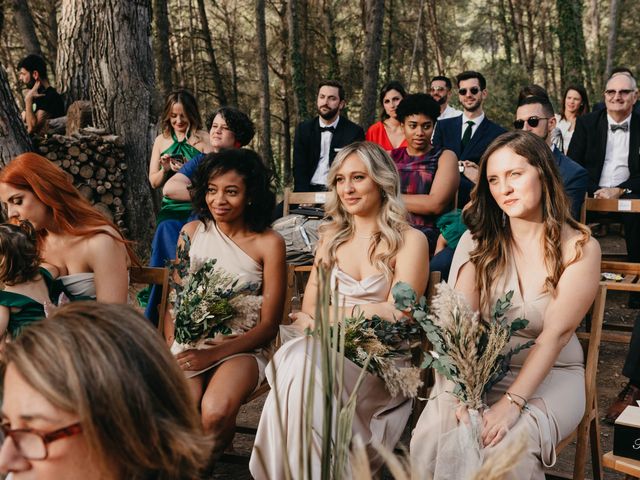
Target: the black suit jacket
pixel 588 147
pixel 448 134
pixel 306 148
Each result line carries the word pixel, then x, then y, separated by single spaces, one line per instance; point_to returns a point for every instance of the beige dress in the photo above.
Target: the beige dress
pixel 209 242
pixel 560 396
pixel 378 418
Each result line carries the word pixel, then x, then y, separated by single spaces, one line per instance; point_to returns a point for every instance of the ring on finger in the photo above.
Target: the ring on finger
pixel 188 364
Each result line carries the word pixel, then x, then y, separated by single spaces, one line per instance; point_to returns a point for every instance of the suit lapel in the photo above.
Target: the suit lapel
pixel 601 145
pixel 480 131
pixel 315 142
pixel 634 144
pixel 336 139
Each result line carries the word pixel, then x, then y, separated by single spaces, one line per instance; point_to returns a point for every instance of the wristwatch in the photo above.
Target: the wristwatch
pixel 626 191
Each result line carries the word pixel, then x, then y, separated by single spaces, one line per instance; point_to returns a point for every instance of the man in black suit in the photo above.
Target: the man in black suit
pixel 470 134
pixel 607 144
pixel 318 140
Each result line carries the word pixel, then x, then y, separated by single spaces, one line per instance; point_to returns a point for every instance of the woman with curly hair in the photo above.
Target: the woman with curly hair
pixel 369 246
pixel 233 197
pixel 521 238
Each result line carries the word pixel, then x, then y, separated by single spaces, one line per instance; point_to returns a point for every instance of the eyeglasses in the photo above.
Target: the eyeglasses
pixel 32 445
pixel 473 90
pixel 613 93
pixel 531 121
pixel 438 89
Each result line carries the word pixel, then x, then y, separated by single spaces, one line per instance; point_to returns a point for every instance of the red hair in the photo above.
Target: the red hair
pixel 71 212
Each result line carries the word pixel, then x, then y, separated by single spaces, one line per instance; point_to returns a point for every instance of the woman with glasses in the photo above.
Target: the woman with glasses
pixel 575 103
pixel 388 132
pixel 93 393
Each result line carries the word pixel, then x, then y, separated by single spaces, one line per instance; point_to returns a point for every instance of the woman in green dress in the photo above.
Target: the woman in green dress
pixel 27 284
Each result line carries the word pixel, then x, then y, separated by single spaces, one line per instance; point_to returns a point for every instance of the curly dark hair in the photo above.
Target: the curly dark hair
pixel 19 256
pixel 238 122
pixel 418 103
pixel 260 194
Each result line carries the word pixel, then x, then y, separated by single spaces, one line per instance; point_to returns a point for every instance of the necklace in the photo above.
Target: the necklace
pixel 365 237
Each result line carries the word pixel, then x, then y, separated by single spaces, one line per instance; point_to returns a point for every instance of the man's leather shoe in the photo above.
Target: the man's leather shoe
pixel 626 397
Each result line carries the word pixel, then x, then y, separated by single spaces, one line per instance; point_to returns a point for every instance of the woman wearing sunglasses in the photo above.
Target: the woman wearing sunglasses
pixel 79 404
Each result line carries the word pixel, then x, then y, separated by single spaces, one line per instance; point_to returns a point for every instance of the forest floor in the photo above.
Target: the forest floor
pixel 609 381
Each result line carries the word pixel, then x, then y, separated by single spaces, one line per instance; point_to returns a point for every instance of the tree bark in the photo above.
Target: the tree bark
pixel 265 100
pixel 371 63
pixel 571 38
pixel 121 88
pixel 161 51
pixel 13 136
pixel 26 27
pixel 506 34
pixel 215 71
pixel 614 17
pixel 74 39
pixel 332 41
pixel 296 63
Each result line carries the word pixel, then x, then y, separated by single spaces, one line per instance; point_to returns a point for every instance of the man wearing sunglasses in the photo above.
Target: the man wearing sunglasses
pixel 535 115
pixel 469 134
pixel 607 144
pixel 441 92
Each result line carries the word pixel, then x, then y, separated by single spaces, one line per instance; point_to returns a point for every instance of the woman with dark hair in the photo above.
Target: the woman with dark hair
pixel 388 132
pixel 575 103
pixel 230 128
pixel 522 238
pixel 233 198
pixel 94 394
pixel 428 174
pixel 86 248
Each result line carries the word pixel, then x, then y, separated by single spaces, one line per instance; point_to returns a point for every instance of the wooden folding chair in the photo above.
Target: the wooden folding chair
pixel 153 276
pixel 588 431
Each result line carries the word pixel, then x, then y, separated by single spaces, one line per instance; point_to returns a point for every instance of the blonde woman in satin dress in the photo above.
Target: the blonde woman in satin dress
pixel 521 237
pixel 369 247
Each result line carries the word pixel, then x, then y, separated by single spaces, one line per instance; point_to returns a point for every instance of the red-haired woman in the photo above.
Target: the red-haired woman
pixel 88 249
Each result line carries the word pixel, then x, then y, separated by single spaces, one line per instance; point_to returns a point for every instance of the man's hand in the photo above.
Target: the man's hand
pixel 612 192
pixel 469 170
pixel 32 94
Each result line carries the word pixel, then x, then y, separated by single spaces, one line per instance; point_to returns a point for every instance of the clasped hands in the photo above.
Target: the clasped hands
pixel 608 192
pixel 167 164
pixel 496 421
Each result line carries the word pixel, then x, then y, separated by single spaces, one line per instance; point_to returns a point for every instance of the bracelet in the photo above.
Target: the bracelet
pixel 520 406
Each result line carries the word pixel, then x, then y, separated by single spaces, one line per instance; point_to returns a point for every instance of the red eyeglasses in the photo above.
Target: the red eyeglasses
pixel 32 445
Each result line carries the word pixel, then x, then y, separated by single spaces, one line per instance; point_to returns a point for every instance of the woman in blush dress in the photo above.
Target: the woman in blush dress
pixel 388 132
pixel 521 238
pixel 369 246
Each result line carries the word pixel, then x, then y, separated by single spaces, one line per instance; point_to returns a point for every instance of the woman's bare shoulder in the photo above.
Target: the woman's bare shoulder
pixel 270 240
pixel 414 238
pixel 190 228
pixel 571 238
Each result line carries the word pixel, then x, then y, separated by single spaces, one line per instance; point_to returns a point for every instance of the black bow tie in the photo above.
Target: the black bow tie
pixel 327 129
pixel 622 126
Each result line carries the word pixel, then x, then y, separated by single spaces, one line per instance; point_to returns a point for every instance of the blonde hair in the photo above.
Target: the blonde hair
pixel 106 364
pixel 392 216
pixel 492 234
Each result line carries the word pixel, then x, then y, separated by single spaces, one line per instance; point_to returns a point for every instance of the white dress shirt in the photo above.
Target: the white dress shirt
pixel 476 121
pixel 616 161
pixel 450 112
pixel 322 170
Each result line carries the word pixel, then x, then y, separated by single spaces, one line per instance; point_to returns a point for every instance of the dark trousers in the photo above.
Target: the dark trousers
pixel 631 368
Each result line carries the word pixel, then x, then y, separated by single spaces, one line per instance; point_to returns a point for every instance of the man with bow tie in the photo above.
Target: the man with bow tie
pixel 318 140
pixel 607 144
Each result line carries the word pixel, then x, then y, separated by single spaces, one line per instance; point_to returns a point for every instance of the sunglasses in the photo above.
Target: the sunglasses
pixel 438 89
pixel 473 90
pixel 533 122
pixel 612 93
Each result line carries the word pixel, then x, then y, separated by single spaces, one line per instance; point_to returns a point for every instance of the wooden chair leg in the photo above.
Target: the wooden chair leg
pixel 581 448
pixel 596 446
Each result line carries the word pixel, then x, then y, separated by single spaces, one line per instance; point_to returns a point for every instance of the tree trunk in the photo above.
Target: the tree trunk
pixel 13 136
pixel 571 39
pixel 614 8
pixel 332 41
pixel 26 28
pixel 74 38
pixel 506 34
pixel 161 52
pixel 265 100
pixel 371 63
pixel 296 63
pixel 121 89
pixel 215 71
pixel 516 20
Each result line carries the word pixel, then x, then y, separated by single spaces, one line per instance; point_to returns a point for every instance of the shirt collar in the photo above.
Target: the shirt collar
pixel 334 124
pixel 613 122
pixel 476 121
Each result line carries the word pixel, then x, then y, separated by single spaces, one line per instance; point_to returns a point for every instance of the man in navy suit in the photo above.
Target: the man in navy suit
pixel 318 140
pixel 470 134
pixel 607 143
pixel 535 115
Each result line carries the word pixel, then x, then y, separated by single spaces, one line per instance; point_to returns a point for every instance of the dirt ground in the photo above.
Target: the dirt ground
pixel 609 380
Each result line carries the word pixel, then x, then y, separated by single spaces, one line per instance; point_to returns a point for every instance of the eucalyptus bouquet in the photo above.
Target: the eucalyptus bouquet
pixel 208 301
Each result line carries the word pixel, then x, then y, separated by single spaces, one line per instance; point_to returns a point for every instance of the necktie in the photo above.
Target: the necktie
pixel 622 126
pixel 327 129
pixel 466 136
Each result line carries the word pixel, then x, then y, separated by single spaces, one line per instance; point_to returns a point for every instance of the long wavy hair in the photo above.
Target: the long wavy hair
pixel 190 107
pixel 71 212
pixel 391 217
pixel 584 104
pixel 492 232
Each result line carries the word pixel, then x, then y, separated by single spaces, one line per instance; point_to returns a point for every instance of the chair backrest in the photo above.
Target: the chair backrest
pixel 623 205
pixel 153 276
pixel 297 198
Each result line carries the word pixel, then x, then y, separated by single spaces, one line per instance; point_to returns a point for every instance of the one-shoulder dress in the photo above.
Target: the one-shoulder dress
pixel 30 310
pixel 379 417
pixel 210 242
pixel 561 394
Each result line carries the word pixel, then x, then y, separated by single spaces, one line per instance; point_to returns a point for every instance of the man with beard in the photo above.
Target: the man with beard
pixel 318 140
pixel 441 92
pixel 42 102
pixel 469 134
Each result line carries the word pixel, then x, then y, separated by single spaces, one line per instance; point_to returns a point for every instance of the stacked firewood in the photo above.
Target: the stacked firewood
pixel 94 162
